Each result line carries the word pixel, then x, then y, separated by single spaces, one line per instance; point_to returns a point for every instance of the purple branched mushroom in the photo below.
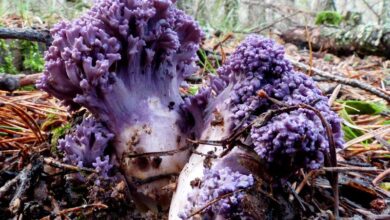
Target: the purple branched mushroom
pixel 283 144
pixel 124 61
pixel 85 146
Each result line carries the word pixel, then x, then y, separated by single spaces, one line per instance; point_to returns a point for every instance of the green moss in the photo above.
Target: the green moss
pixel 28 88
pixel 6 58
pixel 328 18
pixel 58 133
pixel 32 56
pixel 328 58
pixel 385 186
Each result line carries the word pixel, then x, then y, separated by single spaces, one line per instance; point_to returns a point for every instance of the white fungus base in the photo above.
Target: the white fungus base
pixel 192 170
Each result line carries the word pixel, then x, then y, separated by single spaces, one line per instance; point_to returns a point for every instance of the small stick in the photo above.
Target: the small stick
pixel 8 185
pixel 76 209
pixel 351 169
pixel 30 79
pixel 276 21
pixel 371 215
pixel 171 152
pixel 226 38
pixel 295 194
pixel 381 176
pixel 208 142
pixel 304 181
pixel 57 164
pixel 162 153
pixel 26 180
pixel 214 201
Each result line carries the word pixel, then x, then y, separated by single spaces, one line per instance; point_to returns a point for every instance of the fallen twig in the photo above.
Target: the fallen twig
pixel 297 197
pixel 4 189
pixel 26 34
pixel 160 153
pixel 276 21
pixel 27 177
pixel 24 179
pixel 351 169
pixel 57 164
pixel 381 176
pixel 226 38
pixel 371 215
pixel 342 80
pixel 14 82
pixel 214 201
pixel 304 181
pixel 75 209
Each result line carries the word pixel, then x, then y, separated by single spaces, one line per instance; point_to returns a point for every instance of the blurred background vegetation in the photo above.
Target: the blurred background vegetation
pixel 19 56
pixel 217 17
pixel 27 13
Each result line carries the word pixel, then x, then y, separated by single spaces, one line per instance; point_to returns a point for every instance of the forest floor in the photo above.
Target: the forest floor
pixel 34 181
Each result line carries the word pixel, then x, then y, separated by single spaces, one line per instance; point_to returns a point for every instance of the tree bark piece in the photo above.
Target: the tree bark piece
pixel 362 39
